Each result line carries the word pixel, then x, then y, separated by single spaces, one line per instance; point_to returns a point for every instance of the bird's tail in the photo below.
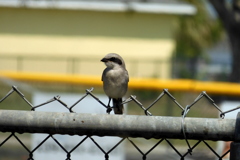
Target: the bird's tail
pixel 117 106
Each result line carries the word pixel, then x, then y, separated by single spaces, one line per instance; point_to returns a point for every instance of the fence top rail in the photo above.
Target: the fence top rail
pixel 117 125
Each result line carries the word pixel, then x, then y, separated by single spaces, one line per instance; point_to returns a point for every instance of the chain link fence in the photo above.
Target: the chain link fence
pixel 127 127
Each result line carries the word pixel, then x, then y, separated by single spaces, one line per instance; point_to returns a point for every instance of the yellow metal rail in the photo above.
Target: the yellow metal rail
pixel 220 88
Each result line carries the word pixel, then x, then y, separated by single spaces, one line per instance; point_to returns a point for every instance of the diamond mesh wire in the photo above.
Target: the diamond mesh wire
pixel 179 153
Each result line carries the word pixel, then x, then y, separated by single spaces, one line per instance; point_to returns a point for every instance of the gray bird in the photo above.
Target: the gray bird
pixel 115 80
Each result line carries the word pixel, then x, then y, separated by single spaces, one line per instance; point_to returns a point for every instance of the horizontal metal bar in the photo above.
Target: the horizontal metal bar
pixel 218 88
pixel 116 125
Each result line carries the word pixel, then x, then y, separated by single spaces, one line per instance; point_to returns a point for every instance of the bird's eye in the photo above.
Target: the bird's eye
pixel 113 59
pixel 116 60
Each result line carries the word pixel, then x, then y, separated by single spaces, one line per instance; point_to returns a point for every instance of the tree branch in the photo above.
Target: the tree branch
pixel 235 6
pixel 226 16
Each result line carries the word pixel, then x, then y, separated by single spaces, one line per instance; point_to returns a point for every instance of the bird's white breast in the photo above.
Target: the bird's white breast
pixel 115 82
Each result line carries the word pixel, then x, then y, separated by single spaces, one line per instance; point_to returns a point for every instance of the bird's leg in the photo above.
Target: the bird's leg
pixel 109 100
pixel 109 109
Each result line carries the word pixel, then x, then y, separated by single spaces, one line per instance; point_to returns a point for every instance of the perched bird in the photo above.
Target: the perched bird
pixel 115 80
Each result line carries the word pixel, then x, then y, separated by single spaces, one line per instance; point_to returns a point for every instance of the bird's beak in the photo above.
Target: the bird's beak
pixel 104 60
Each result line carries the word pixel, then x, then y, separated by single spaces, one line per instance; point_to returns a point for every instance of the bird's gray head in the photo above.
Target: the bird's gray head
pixel 112 60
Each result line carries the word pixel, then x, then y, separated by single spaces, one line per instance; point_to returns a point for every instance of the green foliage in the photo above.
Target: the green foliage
pixel 196 32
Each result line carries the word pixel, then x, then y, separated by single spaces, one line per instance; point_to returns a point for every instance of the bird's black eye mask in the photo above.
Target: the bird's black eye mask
pixel 116 60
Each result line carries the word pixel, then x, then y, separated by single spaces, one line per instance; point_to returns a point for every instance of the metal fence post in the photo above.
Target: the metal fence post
pixel 235 145
pixel 235 151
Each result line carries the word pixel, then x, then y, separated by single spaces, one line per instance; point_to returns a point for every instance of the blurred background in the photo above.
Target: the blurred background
pixel 158 39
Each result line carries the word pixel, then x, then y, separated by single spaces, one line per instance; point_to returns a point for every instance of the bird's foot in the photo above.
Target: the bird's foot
pixel 109 109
